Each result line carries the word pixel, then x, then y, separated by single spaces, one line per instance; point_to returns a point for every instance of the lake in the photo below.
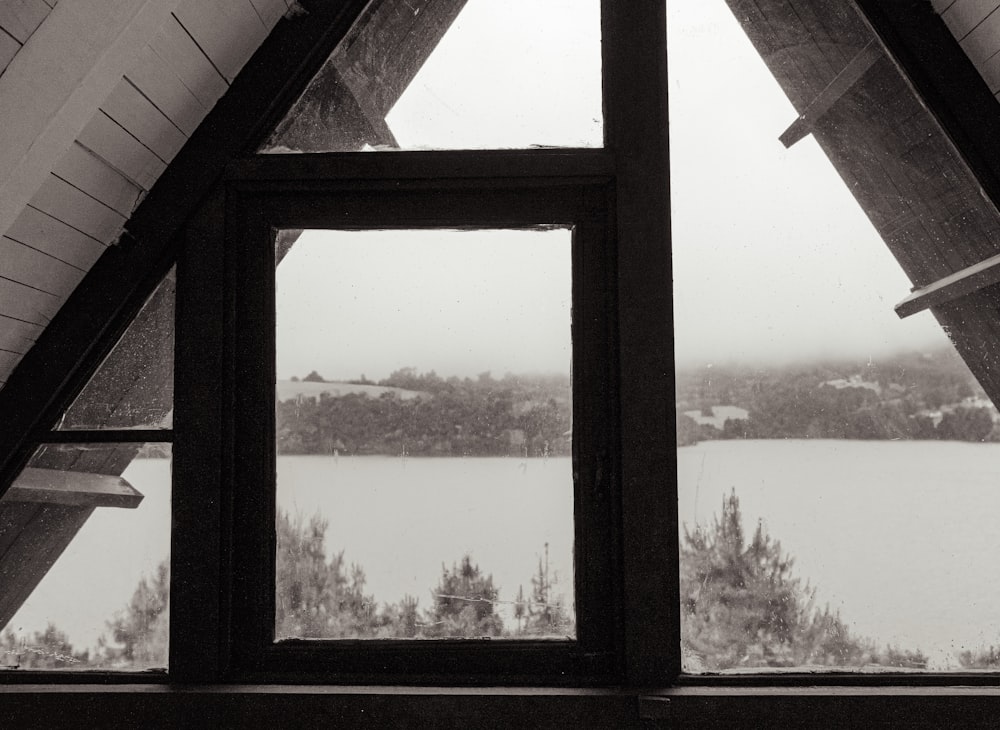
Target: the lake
pixel 400 519
pixel 900 537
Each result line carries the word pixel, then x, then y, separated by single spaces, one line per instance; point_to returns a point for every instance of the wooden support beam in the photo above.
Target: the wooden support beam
pixel 840 85
pixel 58 486
pixel 968 280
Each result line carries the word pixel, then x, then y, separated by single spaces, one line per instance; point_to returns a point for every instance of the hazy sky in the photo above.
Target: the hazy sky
pixel 773 258
pixel 457 302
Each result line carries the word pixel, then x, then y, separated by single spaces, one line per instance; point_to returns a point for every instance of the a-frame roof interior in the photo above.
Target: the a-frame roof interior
pixel 117 118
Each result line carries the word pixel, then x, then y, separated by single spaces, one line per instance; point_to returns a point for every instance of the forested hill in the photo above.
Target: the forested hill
pixel 423 414
pixel 928 395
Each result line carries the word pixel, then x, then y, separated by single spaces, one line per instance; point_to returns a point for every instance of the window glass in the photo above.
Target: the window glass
pixel 424 472
pixel 84 559
pixel 835 463
pixel 134 386
pixel 455 74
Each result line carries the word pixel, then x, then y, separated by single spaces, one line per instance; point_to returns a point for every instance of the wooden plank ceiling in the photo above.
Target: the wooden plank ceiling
pixel 163 89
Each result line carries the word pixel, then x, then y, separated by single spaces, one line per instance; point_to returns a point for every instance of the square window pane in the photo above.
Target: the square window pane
pixel 423 401
pixel 84 559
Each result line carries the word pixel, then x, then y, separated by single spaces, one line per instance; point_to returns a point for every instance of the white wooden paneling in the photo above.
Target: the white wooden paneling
pixel 270 11
pixel 27 305
pixel 990 71
pixel 164 88
pixel 16 335
pixel 7 363
pixel 73 206
pixel 941 5
pixel 21 18
pixel 94 176
pixel 8 49
pixel 228 31
pixel 140 118
pixel 182 55
pixel 45 233
pixel 56 82
pixel 964 15
pixel 37 269
pixel 984 40
pixel 109 141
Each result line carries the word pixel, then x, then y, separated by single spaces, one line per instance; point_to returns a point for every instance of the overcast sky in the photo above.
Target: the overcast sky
pixel 773 258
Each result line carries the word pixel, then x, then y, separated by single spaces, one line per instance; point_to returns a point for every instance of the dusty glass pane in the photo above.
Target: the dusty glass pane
pixel 456 74
pixel 84 559
pixel 425 486
pixel 134 386
pixel 836 464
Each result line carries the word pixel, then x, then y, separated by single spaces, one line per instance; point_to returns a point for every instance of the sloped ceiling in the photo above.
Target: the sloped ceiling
pixel 96 99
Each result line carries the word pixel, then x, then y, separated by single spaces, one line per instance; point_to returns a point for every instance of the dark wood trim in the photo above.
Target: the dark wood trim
pixel 946 81
pixel 635 119
pixel 429 203
pixel 107 436
pixel 841 84
pixel 439 165
pixel 198 646
pixel 968 280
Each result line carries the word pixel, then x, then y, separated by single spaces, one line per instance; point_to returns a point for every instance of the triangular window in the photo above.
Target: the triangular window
pixel 85 527
pixel 455 74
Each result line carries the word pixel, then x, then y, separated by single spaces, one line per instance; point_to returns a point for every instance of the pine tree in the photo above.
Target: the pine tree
pixel 464 604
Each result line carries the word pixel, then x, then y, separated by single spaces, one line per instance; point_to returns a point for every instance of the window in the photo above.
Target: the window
pixel 224 213
pixel 85 527
pixel 805 404
pixel 218 214
pixel 393 251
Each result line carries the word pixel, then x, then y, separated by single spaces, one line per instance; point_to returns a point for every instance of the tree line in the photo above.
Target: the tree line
pixel 514 415
pixel 907 397
pixel 315 598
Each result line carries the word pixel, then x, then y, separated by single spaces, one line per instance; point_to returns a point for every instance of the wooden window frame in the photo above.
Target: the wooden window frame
pixel 277 197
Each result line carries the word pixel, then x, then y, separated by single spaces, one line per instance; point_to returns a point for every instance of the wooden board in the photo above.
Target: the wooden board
pixel 27 305
pixel 109 141
pixel 55 486
pixel 984 40
pixel 159 83
pixel 89 173
pixel 37 269
pixel 228 31
pixel 41 231
pixel 21 18
pixel 140 118
pixel 74 207
pixel 962 16
pixel 9 47
pixel 178 52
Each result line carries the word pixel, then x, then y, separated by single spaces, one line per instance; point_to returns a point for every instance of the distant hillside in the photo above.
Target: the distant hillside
pixel 288 389
pixel 926 395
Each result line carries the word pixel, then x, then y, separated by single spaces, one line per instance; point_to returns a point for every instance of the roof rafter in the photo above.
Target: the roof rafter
pixel 94 316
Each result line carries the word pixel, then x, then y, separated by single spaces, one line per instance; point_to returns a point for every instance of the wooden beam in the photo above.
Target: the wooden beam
pixel 968 280
pixel 85 329
pixel 58 486
pixel 840 85
pixel 55 84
